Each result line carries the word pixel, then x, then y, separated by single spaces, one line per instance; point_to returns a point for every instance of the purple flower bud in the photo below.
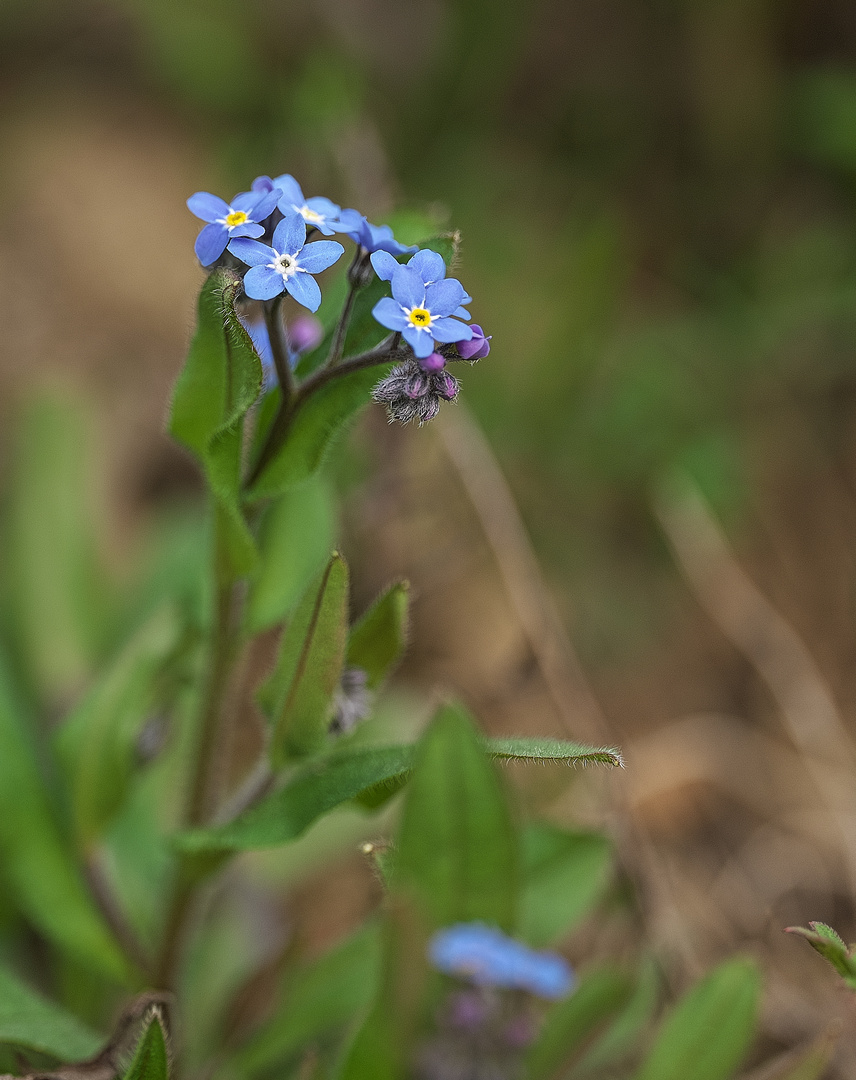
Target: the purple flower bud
pixel 304 333
pixel 477 347
pixel 416 385
pixel 446 386
pixel 434 362
pixel 468 1010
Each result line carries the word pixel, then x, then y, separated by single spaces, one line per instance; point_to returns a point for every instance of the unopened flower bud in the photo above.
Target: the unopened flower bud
pixel 434 362
pixel 304 333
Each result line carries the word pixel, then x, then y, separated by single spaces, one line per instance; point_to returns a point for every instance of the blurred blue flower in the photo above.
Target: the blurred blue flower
pixel 370 237
pixel 429 265
pixel 421 313
pixel 319 212
pixel 227 221
pixel 288 264
pixel 487 957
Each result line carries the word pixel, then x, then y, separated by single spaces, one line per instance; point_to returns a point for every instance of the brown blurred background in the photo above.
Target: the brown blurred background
pixel 639 526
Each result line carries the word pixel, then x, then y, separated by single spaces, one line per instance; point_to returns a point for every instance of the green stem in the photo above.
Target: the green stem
pixel 202 784
pixel 383 354
pixel 273 321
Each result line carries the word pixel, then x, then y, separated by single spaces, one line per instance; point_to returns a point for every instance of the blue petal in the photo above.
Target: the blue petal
pixel 384 265
pixel 251 252
pixel 291 194
pixel 290 235
pixel 389 314
pixel 262 184
pixel 319 255
pixel 461 313
pixel 443 297
pixel 304 289
pixel 429 265
pixel 324 207
pixel 419 340
pixel 250 229
pixel 206 206
pixel 265 205
pixel 211 243
pixel 447 330
pixel 245 201
pixel 408 288
pixel 262 283
pixel 352 223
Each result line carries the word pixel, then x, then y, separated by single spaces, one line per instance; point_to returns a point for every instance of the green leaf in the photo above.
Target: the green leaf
pixel 317 1000
pixel 830 945
pixel 56 584
pixel 320 787
pixel 315 427
pixel 317 788
pixel 554 750
pixel 97 743
pixel 457 852
pixel 619 1043
pixel 297 696
pixel 295 539
pixel 565 874
pixel 221 379
pixel 38 867
pixel 31 1021
pixel 572 1022
pixel 377 642
pixel 707 1034
pixel 151 1060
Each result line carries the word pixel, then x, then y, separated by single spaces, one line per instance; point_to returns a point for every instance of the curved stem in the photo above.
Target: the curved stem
pixel 384 353
pixel 273 321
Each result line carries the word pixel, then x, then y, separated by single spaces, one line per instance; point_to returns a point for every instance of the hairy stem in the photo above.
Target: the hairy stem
pixel 288 409
pixel 202 787
pixel 273 321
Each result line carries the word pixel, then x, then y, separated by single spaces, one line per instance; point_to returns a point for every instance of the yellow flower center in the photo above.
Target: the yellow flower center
pixel 311 215
pixel 236 217
pixel 419 316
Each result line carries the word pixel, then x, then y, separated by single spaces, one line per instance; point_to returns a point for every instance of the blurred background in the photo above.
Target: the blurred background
pixel 639 525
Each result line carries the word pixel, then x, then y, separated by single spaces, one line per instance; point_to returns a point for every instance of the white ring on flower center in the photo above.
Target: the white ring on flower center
pixel 245 220
pixel 418 325
pixel 286 265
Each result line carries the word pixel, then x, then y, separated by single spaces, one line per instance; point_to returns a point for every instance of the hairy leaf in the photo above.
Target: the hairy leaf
pixel 295 539
pixel 320 787
pixel 31 1021
pixel 377 642
pixel 151 1060
pixel 297 696
pixel 457 852
pixel 707 1034
pixel 831 947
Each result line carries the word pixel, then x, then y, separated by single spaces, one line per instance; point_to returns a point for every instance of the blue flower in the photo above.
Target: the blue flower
pixel 486 957
pixel 370 237
pixel 227 221
pixel 318 211
pixel 288 265
pixel 421 314
pixel 429 265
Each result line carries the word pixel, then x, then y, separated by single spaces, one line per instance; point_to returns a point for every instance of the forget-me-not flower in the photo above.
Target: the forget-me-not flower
pixel 371 237
pixel 288 264
pixel 317 211
pixel 227 221
pixel 429 265
pixel 487 957
pixel 422 314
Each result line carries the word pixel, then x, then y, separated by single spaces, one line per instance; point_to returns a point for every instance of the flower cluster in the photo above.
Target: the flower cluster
pixel 269 227
pixel 485 956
